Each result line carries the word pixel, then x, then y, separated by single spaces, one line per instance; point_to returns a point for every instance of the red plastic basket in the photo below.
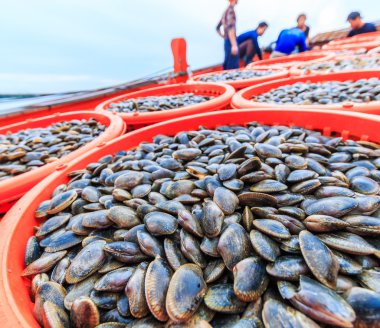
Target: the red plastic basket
pixel 13 188
pixel 368 37
pixel 242 99
pixel 368 45
pixel 222 93
pixel 289 61
pixel 17 226
pixel 298 71
pixel 240 84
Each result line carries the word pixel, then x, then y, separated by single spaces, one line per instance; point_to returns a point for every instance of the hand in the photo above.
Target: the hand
pixel 234 50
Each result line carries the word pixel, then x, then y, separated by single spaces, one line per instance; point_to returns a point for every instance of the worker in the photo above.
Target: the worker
pixel 231 49
pixel 301 24
pixel 249 45
pixel 288 41
pixel 358 26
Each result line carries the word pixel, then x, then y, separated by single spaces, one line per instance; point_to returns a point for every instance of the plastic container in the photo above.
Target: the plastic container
pixel 242 99
pixel 222 93
pixel 289 61
pixel 358 38
pixel 240 84
pixel 368 45
pixel 298 71
pixel 13 188
pixel 17 226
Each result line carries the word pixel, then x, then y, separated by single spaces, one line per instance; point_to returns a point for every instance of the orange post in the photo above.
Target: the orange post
pixel 179 55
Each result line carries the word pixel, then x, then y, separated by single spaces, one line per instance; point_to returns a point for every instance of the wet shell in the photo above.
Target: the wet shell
pixel 84 313
pixel 88 260
pixel 54 316
pixel 268 186
pixel 214 270
pixel 114 281
pixel 221 298
pixel 234 245
pixel 266 248
pixel 286 316
pixel 160 224
pixel 347 242
pixel 324 223
pixel 212 220
pixel 186 291
pixel 332 206
pixel 43 264
pixel 61 201
pixel 157 280
pixel 320 260
pixel 249 290
pixel 288 267
pixel 123 217
pixel 272 228
pixel 135 291
pixel 226 200
pixel 327 306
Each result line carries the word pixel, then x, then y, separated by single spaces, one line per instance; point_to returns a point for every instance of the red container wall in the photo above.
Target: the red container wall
pixel 222 93
pixel 13 188
pixel 17 226
pixel 240 84
pixel 242 99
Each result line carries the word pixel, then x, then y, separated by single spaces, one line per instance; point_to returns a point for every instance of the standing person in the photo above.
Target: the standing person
pixel 288 41
pixel 358 26
pixel 301 24
pixel 249 45
pixel 231 49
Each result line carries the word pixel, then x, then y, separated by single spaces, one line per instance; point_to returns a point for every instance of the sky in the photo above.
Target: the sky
pixel 68 45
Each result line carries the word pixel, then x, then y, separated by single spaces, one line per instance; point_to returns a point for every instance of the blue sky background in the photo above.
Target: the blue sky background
pixel 65 45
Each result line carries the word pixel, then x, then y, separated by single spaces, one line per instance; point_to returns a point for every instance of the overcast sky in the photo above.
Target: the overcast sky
pixel 64 45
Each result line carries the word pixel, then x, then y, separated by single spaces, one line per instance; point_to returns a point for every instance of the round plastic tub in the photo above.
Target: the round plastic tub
pixel 368 45
pixel 242 99
pixel 298 71
pixel 13 188
pixel 17 226
pixel 356 39
pixel 222 93
pixel 289 61
pixel 240 84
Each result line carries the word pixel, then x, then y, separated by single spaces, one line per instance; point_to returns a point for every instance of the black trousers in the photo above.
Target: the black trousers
pixel 247 51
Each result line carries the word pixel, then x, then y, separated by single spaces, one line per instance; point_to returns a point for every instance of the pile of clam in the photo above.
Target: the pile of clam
pixel 347 64
pixel 241 226
pixel 157 103
pixel 29 149
pixel 323 93
pixel 235 75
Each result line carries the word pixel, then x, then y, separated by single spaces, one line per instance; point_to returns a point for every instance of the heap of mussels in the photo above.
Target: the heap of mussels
pixel 323 93
pixel 157 103
pixel 241 226
pixel 29 149
pixel 348 64
pixel 235 75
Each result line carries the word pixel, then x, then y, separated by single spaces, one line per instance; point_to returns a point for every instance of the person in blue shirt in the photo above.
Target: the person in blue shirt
pixel 288 41
pixel 358 26
pixel 249 45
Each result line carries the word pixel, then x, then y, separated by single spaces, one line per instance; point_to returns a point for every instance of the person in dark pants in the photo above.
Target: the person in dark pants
pixel 231 49
pixel 358 26
pixel 249 45
pixel 301 24
pixel 288 41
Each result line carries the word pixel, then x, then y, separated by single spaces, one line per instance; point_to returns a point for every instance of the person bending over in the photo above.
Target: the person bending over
pixel 288 41
pixel 249 45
